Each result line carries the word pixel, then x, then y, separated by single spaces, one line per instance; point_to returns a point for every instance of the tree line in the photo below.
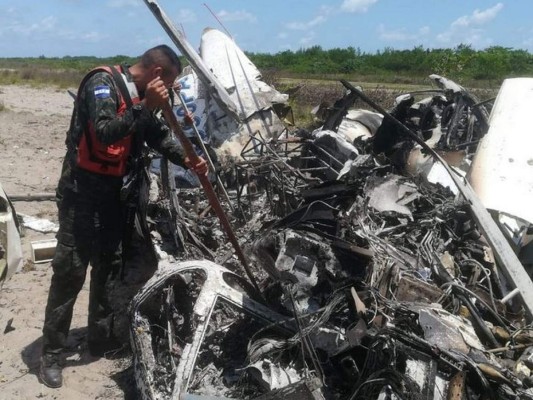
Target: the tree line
pixel 461 62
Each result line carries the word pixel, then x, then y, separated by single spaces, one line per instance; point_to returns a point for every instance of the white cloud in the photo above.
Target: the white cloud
pixel 475 37
pixel 94 36
pixel 402 35
pixel 45 25
pixel 398 35
pixel 48 29
pixel 357 6
pixel 468 29
pixel 145 42
pixel 445 37
pixel 302 26
pixel 478 17
pixel 527 34
pixel 528 43
pixel 240 15
pixel 307 39
pixel 425 30
pixel 123 3
pixel 326 10
pixel 283 35
pixel 186 15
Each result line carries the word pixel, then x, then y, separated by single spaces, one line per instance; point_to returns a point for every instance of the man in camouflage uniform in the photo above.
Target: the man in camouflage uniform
pixel 90 210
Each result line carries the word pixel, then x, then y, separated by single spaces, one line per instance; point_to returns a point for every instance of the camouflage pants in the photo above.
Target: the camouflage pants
pixel 90 231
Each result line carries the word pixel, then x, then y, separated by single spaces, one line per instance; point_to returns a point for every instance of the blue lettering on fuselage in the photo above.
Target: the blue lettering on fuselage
pixel 190 102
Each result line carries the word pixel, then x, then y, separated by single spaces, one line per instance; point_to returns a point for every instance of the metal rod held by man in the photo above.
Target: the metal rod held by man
pixel 211 195
pixel 210 162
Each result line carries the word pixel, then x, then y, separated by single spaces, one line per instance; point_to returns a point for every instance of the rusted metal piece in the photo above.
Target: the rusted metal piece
pixel 508 348
pixel 210 192
pixel 33 197
pixel 413 289
pixel 456 388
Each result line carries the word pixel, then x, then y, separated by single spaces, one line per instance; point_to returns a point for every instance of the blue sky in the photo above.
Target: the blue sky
pixel 56 28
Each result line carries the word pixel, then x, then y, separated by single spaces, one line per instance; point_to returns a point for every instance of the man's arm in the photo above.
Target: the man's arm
pixel 163 141
pixel 160 139
pixel 101 99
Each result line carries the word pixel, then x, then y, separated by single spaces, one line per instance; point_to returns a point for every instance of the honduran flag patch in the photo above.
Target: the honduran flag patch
pixel 102 92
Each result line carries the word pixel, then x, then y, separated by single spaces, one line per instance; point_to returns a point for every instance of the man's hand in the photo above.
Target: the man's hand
pixel 200 167
pixel 188 119
pixel 156 94
pixel 177 88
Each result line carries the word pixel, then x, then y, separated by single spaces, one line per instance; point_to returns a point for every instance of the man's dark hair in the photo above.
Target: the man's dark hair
pixel 162 56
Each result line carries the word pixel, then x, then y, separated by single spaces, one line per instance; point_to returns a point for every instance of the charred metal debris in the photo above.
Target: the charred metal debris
pixel 382 274
pixel 377 281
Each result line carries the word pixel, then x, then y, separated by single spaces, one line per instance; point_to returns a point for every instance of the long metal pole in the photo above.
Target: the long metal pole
pixel 195 129
pixel 211 195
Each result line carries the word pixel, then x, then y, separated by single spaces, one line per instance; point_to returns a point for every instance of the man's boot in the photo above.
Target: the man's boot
pixel 51 373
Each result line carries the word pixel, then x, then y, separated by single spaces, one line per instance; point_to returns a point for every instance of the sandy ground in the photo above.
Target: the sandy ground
pixel 33 124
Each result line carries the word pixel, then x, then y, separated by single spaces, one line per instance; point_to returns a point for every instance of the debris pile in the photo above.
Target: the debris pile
pixel 377 280
pixel 381 274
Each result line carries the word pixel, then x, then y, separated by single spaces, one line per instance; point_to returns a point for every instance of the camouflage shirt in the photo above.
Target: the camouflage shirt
pixel 101 110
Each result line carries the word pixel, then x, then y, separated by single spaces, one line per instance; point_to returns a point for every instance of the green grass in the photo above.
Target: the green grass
pixel 65 72
pixel 38 77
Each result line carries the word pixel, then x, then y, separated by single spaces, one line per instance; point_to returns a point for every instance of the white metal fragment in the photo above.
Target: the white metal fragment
pixel 39 224
pixel 10 247
pixel 502 170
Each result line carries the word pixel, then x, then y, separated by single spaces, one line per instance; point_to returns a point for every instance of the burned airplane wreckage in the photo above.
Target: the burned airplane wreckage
pixel 381 273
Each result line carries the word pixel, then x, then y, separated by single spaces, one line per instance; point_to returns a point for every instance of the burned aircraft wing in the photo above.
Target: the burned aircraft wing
pixel 236 73
pixel 242 80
